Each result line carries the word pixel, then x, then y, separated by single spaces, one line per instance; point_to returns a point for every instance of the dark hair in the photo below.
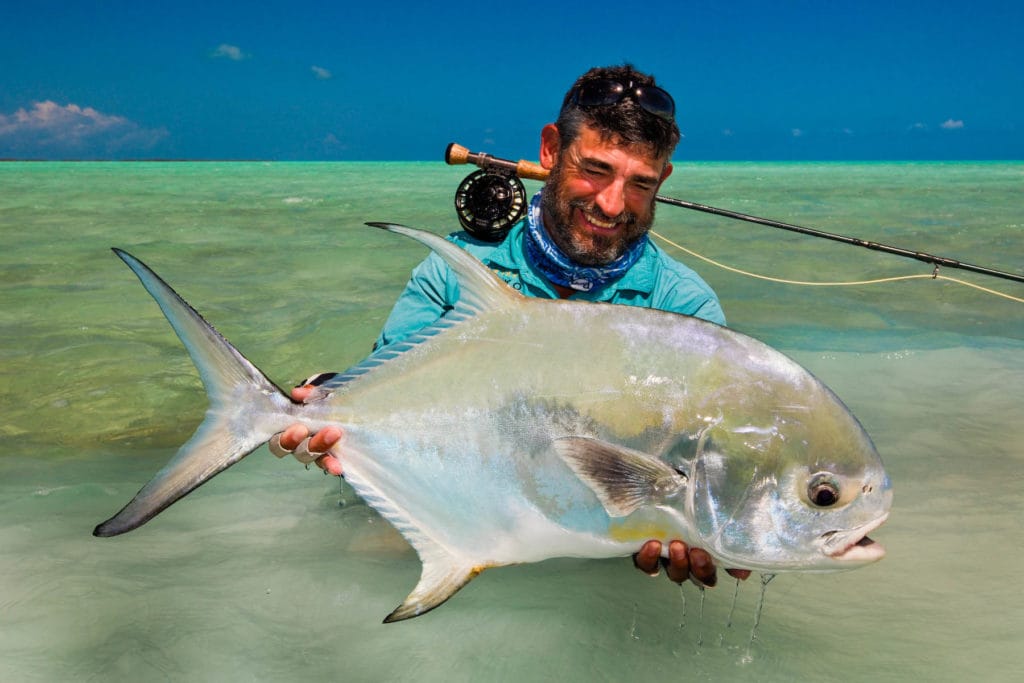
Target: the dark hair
pixel 624 120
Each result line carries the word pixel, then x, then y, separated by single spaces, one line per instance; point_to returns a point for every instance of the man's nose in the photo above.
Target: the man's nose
pixel 612 199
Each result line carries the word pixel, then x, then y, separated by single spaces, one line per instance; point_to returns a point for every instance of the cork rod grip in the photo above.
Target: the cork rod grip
pixel 531 170
pixel 457 154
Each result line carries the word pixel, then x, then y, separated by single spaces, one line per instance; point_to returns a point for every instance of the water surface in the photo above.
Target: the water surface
pixel 274 573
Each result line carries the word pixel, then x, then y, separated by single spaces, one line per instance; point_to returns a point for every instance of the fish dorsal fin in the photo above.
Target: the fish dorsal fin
pixel 479 288
pixel 623 479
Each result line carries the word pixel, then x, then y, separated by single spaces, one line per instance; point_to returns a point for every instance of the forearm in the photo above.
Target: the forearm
pixel 429 294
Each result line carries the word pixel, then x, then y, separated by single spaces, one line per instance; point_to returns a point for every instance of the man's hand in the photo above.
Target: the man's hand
pixel 682 563
pixel 316 448
pixel 296 440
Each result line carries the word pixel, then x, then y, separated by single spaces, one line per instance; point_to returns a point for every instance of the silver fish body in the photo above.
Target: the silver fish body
pixel 516 430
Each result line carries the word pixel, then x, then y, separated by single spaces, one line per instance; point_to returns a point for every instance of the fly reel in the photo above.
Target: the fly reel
pixel 489 202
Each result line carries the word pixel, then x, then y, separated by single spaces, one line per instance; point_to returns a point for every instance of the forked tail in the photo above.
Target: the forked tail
pixel 245 409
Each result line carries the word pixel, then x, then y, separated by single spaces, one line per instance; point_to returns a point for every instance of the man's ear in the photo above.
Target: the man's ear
pixel 550 145
pixel 665 173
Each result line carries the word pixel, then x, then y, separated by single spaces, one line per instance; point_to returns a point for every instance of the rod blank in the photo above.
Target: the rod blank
pixel 457 154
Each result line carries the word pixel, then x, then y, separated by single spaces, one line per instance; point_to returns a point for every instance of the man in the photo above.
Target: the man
pixel 584 237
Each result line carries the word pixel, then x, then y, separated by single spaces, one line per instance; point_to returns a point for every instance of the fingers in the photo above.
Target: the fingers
pixel 296 441
pixel 303 392
pixel 702 567
pixel 303 454
pixel 681 564
pixel 293 436
pixel 312 389
pixel 677 564
pixel 330 465
pixel 648 559
pixel 284 443
pixel 324 440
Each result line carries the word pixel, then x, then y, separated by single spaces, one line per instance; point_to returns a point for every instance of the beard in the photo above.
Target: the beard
pixel 587 248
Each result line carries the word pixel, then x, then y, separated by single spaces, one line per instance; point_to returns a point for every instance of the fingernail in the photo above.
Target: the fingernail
pixel 650 572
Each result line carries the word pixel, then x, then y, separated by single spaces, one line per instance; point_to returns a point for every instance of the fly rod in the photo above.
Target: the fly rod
pixel 456 154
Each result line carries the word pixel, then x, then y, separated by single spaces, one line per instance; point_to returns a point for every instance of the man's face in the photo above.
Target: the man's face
pixel 599 198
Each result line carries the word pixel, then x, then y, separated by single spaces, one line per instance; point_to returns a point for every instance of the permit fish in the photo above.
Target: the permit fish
pixel 518 429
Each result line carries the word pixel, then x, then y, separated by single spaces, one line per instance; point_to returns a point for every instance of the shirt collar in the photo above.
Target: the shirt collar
pixel 509 255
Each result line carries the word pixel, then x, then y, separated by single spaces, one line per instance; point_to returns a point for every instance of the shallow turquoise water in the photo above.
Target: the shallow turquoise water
pixel 263 575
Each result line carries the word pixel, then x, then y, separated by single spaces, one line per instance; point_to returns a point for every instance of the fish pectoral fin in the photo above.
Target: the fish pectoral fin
pixel 623 479
pixel 441 578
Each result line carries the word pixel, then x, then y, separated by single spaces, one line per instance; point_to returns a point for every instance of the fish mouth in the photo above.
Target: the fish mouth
pixel 854 545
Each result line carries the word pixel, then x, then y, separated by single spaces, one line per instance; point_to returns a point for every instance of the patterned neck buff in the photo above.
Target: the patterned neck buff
pixel 545 256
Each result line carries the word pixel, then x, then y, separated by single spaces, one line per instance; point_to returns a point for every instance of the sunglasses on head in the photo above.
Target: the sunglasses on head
pixel 608 91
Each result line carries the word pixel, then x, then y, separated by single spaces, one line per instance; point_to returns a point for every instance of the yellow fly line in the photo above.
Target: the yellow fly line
pixel 854 283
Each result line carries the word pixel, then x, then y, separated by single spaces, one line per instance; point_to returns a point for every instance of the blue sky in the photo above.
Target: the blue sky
pixel 400 80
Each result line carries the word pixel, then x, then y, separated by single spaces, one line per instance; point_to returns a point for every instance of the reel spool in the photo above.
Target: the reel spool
pixel 489 202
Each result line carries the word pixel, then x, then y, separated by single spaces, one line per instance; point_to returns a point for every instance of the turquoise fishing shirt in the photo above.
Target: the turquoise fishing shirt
pixel 654 281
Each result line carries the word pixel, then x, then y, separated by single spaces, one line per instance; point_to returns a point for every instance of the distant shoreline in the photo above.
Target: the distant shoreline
pixel 216 161
pixel 414 161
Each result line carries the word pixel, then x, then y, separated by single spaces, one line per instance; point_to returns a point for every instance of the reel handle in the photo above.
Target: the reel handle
pixel 456 154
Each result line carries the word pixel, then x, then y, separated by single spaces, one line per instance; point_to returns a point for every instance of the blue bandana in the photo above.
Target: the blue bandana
pixel 545 256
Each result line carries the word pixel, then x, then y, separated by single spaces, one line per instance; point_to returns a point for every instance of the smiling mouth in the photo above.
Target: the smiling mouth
pixel 598 223
pixel 854 545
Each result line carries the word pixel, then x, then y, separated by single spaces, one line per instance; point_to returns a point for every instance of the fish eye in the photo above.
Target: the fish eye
pixel 823 490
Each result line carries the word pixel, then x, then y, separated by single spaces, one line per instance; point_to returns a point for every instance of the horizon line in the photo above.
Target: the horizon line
pixel 441 161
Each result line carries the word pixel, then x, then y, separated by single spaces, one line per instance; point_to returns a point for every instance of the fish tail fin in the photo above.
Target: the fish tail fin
pixel 245 409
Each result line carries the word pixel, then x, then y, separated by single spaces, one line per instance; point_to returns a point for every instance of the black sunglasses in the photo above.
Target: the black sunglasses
pixel 608 91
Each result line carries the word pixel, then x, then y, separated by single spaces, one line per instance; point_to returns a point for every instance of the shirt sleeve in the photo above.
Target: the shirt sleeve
pixel 711 310
pixel 688 294
pixel 430 293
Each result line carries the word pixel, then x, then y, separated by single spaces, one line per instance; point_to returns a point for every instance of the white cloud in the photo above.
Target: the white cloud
pixel 321 73
pixel 950 124
pixel 727 132
pixel 797 133
pixel 49 129
pixel 918 126
pixel 232 52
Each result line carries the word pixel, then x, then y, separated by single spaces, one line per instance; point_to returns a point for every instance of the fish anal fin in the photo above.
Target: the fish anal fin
pixel 438 582
pixel 445 570
pixel 624 480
